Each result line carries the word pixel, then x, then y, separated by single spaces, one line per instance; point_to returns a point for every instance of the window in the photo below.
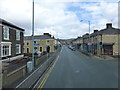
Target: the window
pixel 27 43
pixel 18 49
pixel 48 41
pixel 5 50
pixel 17 35
pixel 6 33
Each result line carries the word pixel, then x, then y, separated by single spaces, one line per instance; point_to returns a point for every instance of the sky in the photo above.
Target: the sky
pixel 61 18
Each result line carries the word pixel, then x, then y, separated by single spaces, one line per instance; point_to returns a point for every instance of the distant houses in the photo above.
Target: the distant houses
pixel 11 41
pixel 100 42
pixel 40 43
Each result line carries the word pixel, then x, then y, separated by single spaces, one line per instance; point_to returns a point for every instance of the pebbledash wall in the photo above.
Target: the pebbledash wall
pixel 12 42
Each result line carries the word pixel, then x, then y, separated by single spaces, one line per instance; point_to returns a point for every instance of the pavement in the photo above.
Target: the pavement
pixel 76 70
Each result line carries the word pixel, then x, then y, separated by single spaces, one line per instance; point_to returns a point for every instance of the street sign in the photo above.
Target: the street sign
pixel 36 44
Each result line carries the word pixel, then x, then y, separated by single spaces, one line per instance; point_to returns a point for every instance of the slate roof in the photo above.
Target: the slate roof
pixel 37 37
pixel 10 24
pixel 85 35
pixel 109 31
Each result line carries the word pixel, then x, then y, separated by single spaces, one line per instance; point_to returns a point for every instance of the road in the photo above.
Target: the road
pixel 75 70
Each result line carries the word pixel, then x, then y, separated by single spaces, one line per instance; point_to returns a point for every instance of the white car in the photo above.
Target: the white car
pixel 71 47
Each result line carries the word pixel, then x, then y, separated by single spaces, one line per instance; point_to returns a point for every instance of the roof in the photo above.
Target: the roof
pixel 85 35
pixel 107 30
pixel 10 24
pixel 37 37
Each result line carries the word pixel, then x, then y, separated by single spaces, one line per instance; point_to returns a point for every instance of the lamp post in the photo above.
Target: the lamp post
pixel 89 37
pixel 33 34
pixel 89 34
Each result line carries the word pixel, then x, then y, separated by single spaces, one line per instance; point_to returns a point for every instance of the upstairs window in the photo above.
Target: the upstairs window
pixel 48 41
pixel 6 33
pixel 17 35
pixel 27 43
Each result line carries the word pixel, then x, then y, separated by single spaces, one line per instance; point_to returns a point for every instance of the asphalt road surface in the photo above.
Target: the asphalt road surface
pixel 75 70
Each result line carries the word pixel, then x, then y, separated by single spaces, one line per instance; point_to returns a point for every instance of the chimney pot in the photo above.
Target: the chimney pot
pixel 95 31
pixel 47 34
pixel 109 25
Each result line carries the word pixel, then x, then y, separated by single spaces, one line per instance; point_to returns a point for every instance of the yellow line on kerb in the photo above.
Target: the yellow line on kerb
pixel 47 74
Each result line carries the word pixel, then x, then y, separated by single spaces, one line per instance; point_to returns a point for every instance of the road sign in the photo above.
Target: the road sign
pixel 36 44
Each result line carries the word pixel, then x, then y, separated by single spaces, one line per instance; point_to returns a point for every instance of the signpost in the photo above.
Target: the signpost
pixel 36 44
pixel 33 35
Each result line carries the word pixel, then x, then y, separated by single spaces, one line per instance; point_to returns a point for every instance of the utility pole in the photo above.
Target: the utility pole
pixel 33 34
pixel 89 44
pixel 89 37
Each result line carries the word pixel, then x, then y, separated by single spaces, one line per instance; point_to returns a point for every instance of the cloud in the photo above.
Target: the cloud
pixel 56 17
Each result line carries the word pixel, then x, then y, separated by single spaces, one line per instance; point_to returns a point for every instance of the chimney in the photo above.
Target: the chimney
pixel 95 31
pixel 109 25
pixel 47 34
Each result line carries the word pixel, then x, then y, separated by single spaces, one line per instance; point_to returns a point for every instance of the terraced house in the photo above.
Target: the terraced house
pixel 11 41
pixel 106 41
pixel 101 42
pixel 40 43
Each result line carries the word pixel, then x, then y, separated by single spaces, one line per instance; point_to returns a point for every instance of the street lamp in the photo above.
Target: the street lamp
pixel 89 34
pixel 33 34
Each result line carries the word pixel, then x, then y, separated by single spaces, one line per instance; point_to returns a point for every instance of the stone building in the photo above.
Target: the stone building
pixel 40 43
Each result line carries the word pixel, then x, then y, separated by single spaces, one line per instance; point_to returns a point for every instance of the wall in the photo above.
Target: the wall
pixel 9 78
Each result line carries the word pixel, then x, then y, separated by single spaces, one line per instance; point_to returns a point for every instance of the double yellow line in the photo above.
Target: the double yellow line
pixel 47 75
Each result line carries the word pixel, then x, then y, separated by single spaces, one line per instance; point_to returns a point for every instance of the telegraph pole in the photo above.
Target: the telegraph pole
pixel 89 37
pixel 33 34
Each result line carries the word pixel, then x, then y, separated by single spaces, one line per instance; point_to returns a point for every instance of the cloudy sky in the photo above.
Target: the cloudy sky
pixel 61 18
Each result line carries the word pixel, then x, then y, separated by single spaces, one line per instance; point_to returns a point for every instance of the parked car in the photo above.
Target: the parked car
pixel 71 47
